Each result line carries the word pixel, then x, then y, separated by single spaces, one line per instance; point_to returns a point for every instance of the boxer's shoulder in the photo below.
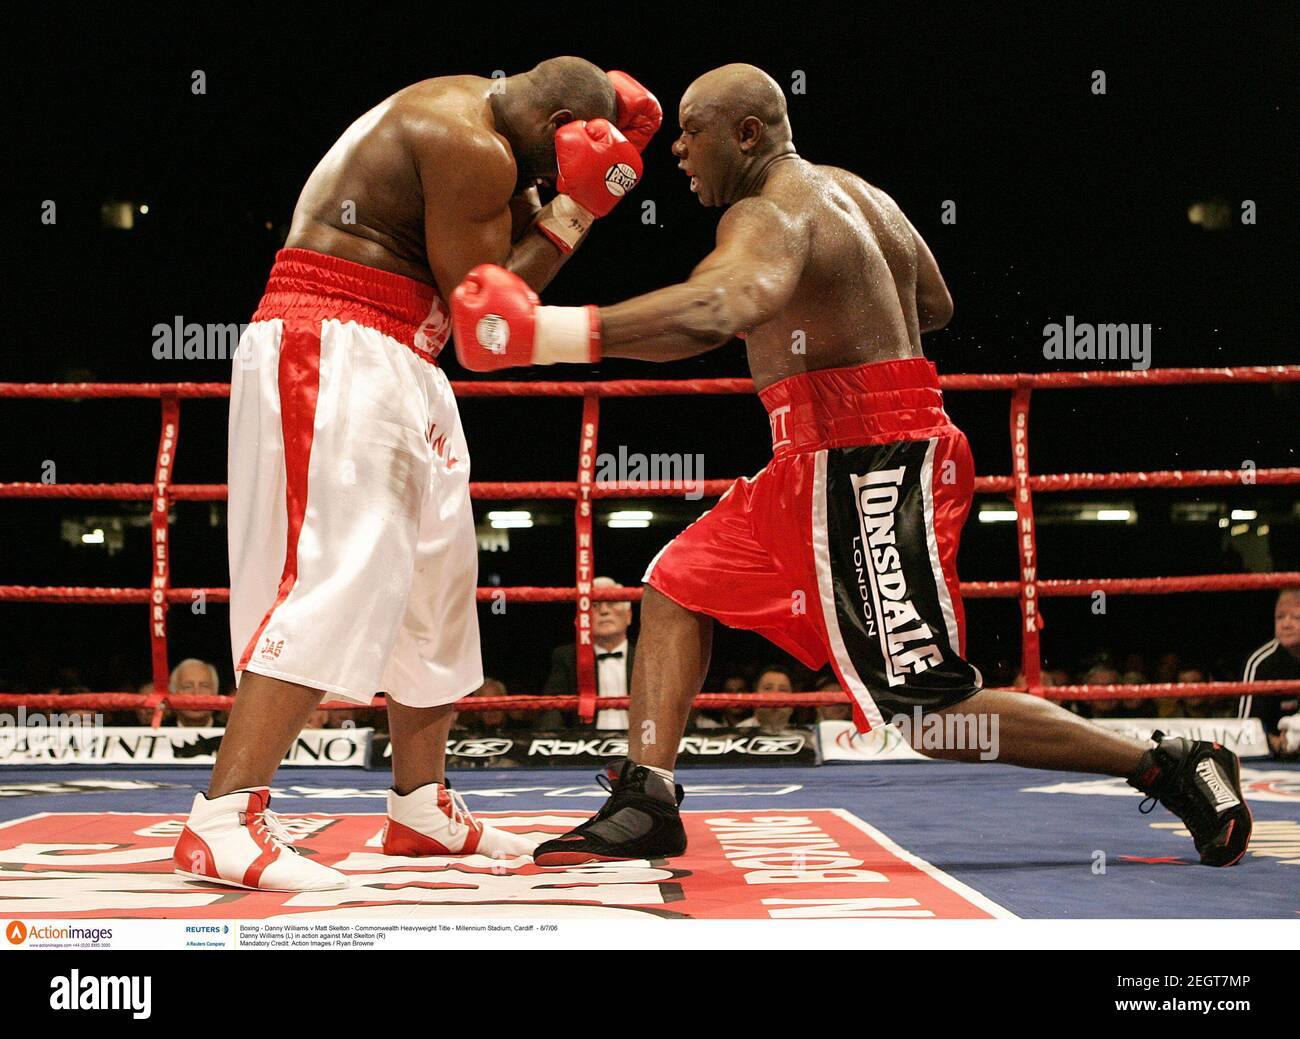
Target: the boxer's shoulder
pixel 446 125
pixel 772 217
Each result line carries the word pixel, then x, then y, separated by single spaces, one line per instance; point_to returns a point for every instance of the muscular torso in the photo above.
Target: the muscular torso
pixel 365 200
pixel 856 297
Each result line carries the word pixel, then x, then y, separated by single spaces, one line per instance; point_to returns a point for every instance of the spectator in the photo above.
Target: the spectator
pixel 736 683
pixel 1277 659
pixel 1195 706
pixel 342 719
pixel 614 654
pixel 1167 667
pixel 1102 674
pixel 488 722
pixel 836 712
pixel 144 715
pixel 1134 707
pixel 721 719
pixel 318 719
pixel 84 715
pixel 772 679
pixel 193 677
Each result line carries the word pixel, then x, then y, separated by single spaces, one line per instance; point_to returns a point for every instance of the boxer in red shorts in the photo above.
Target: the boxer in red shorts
pixel 843 548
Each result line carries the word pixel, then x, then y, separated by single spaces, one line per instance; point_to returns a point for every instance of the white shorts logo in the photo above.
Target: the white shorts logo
pixel 620 179
pixel 493 332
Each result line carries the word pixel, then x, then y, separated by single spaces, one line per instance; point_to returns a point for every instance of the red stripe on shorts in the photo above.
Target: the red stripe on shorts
pixel 299 383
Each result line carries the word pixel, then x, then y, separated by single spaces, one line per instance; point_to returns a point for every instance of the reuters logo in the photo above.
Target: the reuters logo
pixel 16 932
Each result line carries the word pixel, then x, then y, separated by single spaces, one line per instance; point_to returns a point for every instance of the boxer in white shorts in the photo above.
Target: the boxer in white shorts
pixel 349 484
pixel 353 559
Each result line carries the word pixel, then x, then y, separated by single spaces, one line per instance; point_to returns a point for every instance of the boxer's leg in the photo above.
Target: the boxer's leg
pixel 672 658
pixel 1037 733
pixel 267 717
pixel 419 739
pixel 641 820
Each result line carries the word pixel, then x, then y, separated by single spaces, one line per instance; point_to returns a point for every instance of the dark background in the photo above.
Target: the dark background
pixel 1066 203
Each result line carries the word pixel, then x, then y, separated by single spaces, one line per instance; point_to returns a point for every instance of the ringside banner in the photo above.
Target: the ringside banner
pixel 583 747
pixel 84 744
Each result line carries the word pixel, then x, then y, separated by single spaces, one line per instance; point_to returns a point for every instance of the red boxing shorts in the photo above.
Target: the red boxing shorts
pixel 844 547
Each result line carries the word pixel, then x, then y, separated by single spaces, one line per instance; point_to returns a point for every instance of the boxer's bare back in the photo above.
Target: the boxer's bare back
pixel 439 177
pixel 865 281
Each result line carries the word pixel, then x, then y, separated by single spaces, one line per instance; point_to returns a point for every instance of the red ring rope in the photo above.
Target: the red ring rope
pixel 1029 588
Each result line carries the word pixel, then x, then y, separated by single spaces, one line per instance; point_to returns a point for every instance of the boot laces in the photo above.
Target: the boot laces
pixel 267 823
pixel 458 812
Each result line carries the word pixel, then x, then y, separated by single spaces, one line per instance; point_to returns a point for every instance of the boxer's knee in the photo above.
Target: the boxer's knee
pixel 660 612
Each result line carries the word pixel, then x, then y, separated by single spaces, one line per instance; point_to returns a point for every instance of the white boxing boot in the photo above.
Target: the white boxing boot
pixel 237 841
pixel 433 820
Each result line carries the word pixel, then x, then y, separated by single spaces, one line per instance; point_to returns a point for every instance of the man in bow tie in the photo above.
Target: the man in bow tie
pixel 614 652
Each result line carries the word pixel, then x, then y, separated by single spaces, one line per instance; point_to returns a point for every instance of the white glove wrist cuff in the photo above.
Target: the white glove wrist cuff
pixel 566 335
pixel 564 222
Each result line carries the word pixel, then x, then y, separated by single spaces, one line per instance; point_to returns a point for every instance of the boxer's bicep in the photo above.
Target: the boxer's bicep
pixel 756 265
pixel 457 245
pixel 747 279
pixel 467 217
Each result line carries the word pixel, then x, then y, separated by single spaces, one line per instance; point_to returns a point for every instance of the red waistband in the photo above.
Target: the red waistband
pixel 869 403
pixel 309 284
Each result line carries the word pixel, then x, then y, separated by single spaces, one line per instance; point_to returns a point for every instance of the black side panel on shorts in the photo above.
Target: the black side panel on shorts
pixel 886 586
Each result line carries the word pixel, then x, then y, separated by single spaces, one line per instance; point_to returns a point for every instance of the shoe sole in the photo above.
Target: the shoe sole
pixel 577 858
pixel 217 881
pixel 1250 818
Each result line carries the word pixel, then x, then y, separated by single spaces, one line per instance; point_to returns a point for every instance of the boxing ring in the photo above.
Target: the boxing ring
pixel 935 841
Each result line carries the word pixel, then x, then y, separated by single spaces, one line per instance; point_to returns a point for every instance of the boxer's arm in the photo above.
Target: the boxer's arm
pixel 467 214
pixel 471 217
pixel 524 208
pixel 533 256
pixel 537 259
pixel 750 275
pixel 933 301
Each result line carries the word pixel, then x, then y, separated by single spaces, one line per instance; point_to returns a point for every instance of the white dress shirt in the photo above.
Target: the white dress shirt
pixel 611 680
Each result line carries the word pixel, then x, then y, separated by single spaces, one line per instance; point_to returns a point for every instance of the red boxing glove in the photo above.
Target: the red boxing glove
pixel 499 323
pixel 597 166
pixel 639 113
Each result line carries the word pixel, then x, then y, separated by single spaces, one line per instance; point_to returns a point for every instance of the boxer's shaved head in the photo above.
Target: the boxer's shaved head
pixel 576 85
pixel 530 107
pixel 734 122
pixel 733 92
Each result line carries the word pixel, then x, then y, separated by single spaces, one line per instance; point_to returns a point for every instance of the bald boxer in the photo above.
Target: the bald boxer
pixel 353 559
pixel 844 548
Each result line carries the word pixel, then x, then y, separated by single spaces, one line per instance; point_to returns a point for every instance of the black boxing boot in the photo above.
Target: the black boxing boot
pixel 639 821
pixel 1200 782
